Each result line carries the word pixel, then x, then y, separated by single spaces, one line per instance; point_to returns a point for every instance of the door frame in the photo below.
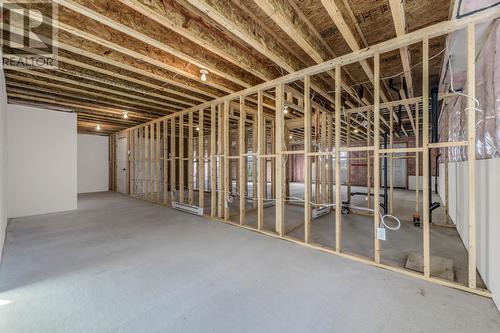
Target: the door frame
pixel 126 189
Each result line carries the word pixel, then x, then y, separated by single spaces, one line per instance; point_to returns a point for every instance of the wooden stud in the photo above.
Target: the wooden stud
pixel 242 160
pixel 182 163
pixel 221 161
pixel 226 171
pixel 147 152
pixel 329 159
pixel 307 159
pixel 376 157
pixel 213 160
pixel 201 162
pixel 471 150
pixel 338 193
pixel 255 140
pixel 279 172
pixel 158 170
pixel 261 150
pixel 190 158
pixel 165 162
pixel 425 157
pixel 172 159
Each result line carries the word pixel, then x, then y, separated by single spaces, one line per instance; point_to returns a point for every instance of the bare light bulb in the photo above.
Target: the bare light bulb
pixel 203 74
pixel 98 127
pixel 197 128
pixel 356 130
pixel 285 109
pixel 125 115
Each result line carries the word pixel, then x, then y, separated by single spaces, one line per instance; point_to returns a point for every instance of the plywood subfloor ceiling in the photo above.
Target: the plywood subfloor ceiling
pixel 145 56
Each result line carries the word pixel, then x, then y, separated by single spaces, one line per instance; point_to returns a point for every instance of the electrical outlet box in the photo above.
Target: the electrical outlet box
pixel 381 234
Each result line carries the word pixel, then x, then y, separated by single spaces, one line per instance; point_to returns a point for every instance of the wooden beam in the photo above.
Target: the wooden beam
pixel 425 157
pixel 226 153
pixel 196 32
pixel 376 157
pixel 432 31
pixel 345 31
pixel 471 151
pixel 307 159
pixel 77 82
pixel 338 193
pixel 201 161
pixel 279 167
pixel 41 83
pixel 261 149
pixel 190 162
pixel 201 60
pixel 213 160
pixel 172 159
pixel 243 159
pixel 165 161
pixel 398 16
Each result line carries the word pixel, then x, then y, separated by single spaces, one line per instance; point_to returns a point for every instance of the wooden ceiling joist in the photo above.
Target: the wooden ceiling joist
pixel 197 57
pixel 14 85
pixel 202 35
pixel 52 83
pixel 336 16
pixel 68 78
pixel 58 99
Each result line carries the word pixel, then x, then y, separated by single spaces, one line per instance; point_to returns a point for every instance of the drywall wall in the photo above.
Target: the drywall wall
pixel 41 169
pixel 3 159
pixel 487 212
pixel 93 168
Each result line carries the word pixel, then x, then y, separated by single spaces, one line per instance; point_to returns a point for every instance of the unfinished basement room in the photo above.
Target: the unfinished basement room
pixel 250 166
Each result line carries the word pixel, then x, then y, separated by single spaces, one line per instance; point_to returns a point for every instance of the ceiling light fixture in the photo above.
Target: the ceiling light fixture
pixel 125 115
pixel 290 136
pixel 197 128
pixel 98 127
pixel 285 109
pixel 203 74
pixel 356 130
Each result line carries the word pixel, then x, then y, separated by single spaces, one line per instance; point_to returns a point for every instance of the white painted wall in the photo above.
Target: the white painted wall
pixel 487 214
pixel 41 168
pixel 3 158
pixel 93 167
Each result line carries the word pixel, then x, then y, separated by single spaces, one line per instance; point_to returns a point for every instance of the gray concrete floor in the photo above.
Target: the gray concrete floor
pixel 122 265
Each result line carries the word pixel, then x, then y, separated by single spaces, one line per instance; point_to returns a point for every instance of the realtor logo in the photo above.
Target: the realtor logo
pixel 29 33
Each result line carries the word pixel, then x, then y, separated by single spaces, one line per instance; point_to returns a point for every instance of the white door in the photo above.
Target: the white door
pixel 121 165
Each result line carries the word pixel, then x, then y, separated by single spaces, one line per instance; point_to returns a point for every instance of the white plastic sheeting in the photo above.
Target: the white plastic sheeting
pixel 487 92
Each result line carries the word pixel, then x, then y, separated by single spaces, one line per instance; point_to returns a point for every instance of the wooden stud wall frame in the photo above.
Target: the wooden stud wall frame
pixel 222 125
